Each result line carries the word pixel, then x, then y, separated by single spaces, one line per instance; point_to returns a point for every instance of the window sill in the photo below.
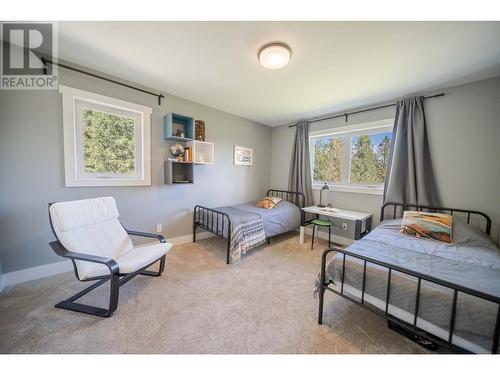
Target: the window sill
pixel 353 189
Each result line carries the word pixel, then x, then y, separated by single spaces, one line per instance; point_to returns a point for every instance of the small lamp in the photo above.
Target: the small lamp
pixel 324 187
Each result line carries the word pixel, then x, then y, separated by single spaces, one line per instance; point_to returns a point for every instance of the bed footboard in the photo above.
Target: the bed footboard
pixel 410 327
pixel 214 221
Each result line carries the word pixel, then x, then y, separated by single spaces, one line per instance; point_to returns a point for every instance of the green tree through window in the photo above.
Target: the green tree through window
pixel 365 160
pixel 328 154
pixel 108 142
pixel 369 156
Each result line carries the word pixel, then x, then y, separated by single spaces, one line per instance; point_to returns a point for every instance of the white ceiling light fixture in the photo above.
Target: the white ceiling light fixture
pixel 275 55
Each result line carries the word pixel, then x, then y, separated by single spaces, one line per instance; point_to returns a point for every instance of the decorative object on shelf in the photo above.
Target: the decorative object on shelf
pixel 177 151
pixel 188 154
pixel 179 133
pixel 243 156
pixel 324 187
pixel 199 130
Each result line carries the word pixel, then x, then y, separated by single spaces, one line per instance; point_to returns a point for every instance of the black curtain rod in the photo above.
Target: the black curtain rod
pixel 347 114
pixel 45 61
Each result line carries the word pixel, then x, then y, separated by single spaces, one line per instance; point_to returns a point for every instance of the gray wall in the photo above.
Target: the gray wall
pixel 464 133
pixel 32 169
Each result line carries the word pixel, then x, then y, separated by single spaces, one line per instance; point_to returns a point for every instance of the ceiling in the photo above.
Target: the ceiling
pixel 335 66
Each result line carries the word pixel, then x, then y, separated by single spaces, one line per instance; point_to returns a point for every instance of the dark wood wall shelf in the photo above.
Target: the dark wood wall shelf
pixel 178 172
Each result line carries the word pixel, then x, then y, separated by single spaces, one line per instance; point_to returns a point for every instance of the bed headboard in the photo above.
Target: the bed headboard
pixel 419 207
pixel 291 196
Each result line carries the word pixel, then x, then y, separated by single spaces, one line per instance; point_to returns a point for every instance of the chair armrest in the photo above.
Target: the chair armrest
pixel 159 237
pixel 60 250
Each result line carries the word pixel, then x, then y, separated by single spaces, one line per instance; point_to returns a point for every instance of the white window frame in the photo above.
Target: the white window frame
pixel 73 149
pixel 348 132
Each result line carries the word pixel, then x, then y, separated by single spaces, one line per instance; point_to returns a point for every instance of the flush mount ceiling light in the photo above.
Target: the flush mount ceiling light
pixel 275 55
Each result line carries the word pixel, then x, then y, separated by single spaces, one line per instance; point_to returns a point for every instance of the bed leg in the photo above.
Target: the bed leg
pixel 194 232
pixel 228 251
pixel 321 289
pixel 321 295
pixel 268 240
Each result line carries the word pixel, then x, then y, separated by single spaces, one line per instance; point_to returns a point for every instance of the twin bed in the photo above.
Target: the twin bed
pixel 435 293
pixel 246 226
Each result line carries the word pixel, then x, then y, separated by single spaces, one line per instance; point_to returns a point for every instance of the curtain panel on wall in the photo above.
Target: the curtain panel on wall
pixel 410 177
pixel 300 166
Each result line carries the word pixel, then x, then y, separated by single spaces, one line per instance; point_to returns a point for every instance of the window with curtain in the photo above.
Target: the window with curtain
pixel 353 157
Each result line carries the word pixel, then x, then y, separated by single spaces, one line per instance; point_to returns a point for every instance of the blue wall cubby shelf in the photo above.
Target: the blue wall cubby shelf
pixel 173 122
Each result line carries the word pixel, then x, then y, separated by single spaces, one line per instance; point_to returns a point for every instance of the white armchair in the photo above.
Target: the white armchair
pixel 89 233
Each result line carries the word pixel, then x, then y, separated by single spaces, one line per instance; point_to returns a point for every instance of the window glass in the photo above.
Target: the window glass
pixel 108 142
pixel 328 159
pixel 369 156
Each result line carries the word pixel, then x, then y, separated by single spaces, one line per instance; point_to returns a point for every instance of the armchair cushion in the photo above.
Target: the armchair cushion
pixel 130 261
pixel 72 215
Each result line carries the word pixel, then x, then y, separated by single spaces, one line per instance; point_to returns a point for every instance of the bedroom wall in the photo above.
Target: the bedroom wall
pixel 32 169
pixel 464 135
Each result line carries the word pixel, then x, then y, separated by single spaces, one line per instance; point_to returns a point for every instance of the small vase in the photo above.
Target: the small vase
pixel 199 132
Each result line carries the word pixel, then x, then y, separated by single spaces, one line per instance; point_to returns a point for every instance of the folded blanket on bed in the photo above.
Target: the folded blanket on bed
pixel 247 231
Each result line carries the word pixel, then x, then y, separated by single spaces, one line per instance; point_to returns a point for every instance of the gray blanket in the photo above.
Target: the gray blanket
pixel 250 225
pixel 247 231
pixel 284 217
pixel 473 261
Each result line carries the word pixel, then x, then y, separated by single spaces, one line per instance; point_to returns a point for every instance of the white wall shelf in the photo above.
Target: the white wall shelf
pixel 203 152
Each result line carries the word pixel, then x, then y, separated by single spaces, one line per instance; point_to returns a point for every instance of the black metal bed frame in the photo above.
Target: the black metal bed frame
pixel 203 217
pixel 410 330
pixel 116 278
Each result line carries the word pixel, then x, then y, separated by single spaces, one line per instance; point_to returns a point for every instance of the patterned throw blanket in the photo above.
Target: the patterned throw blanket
pixel 247 231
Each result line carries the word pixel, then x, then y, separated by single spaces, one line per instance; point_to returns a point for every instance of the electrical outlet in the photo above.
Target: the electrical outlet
pixel 344 226
pixel 159 228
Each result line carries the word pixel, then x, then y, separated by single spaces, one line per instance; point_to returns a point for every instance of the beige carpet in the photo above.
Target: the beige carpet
pixel 201 305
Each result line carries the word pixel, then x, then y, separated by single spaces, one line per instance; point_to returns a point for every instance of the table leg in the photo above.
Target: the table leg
pixel 301 236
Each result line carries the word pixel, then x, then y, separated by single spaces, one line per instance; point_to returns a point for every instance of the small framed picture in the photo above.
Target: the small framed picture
pixel 243 156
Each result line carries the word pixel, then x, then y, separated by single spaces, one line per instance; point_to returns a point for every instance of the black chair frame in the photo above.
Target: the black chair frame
pixel 116 278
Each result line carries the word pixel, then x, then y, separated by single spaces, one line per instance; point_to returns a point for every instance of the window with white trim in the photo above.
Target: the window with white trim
pixel 106 140
pixel 351 158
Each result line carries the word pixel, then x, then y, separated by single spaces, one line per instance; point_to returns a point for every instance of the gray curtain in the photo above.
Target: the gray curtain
pixel 300 166
pixel 410 177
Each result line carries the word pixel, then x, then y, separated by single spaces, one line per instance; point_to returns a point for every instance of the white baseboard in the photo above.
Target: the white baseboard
pixel 189 238
pixel 39 272
pixel 34 273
